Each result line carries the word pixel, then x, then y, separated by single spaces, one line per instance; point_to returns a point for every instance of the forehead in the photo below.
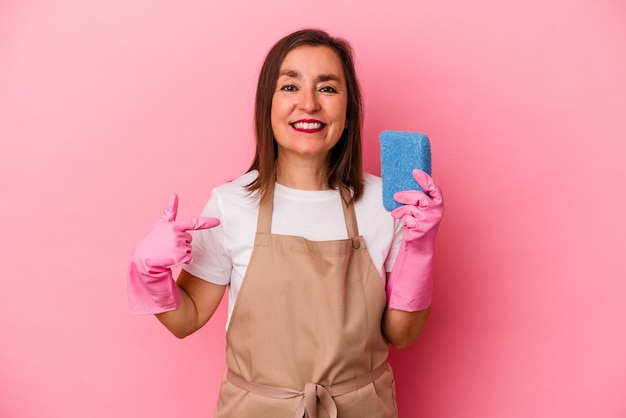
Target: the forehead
pixel 315 59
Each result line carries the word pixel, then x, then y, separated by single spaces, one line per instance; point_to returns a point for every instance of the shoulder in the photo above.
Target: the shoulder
pixel 369 208
pixel 237 210
pixel 237 186
pixel 372 191
pixel 231 197
pixel 235 190
pixel 372 181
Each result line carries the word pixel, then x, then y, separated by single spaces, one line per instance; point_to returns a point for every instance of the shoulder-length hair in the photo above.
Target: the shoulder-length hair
pixel 345 163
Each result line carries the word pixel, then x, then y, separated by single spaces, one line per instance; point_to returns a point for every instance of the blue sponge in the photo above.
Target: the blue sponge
pixel 400 153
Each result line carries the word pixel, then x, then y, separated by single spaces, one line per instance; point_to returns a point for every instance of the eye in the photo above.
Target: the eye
pixel 288 87
pixel 328 89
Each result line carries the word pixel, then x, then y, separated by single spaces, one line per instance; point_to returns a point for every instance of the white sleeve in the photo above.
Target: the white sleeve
pixel 395 245
pixel 211 260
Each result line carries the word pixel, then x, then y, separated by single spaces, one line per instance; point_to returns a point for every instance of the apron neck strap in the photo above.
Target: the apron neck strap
pixel 348 212
pixel 264 221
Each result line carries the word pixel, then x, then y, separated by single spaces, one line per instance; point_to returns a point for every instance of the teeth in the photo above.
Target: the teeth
pixel 307 126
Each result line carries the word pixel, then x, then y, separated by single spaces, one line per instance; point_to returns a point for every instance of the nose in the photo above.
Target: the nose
pixel 309 101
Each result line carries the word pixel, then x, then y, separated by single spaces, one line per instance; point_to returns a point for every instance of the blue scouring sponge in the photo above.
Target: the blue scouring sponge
pixel 400 153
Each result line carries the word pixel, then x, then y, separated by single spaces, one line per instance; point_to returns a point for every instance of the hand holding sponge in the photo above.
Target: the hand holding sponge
pixel 410 283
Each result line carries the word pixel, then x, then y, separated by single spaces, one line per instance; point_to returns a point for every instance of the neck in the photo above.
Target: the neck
pixel 302 174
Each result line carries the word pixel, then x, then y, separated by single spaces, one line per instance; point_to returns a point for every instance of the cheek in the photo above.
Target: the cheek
pixel 280 109
pixel 344 109
pixel 344 115
pixel 276 119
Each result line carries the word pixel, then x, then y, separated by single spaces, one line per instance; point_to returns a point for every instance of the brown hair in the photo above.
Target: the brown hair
pixel 345 165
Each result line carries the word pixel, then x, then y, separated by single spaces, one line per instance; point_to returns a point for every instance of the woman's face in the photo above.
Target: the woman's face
pixel 309 103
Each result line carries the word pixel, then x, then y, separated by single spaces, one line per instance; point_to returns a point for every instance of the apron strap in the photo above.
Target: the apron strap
pixel 264 221
pixel 266 207
pixel 348 213
pixel 312 392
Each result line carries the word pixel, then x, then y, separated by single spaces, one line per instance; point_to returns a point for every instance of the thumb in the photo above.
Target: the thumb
pixel 170 209
pixel 199 223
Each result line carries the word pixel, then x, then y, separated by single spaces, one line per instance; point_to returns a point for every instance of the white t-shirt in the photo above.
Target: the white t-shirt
pixel 221 254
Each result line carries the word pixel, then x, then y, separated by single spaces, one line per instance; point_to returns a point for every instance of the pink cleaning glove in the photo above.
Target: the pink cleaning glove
pixel 410 284
pixel 151 286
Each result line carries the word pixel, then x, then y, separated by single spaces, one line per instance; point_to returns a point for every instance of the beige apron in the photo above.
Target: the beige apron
pixel 304 337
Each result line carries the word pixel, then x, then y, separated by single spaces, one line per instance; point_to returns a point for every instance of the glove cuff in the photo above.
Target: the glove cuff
pixel 153 293
pixel 410 284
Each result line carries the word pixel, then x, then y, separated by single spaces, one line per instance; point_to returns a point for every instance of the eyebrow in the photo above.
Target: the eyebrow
pixel 321 77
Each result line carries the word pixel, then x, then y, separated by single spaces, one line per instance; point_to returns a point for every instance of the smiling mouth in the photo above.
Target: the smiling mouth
pixel 308 126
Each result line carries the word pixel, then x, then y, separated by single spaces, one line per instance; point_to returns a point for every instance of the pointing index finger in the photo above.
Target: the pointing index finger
pixel 199 223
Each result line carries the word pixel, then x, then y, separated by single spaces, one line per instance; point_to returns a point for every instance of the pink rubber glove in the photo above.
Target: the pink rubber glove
pixel 151 286
pixel 410 285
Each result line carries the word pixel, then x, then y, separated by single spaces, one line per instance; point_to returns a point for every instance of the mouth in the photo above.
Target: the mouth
pixel 308 126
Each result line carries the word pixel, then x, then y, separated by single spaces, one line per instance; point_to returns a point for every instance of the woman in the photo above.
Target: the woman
pixel 304 244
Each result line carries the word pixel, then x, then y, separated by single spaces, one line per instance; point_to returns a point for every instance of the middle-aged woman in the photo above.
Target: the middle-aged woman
pixel 321 278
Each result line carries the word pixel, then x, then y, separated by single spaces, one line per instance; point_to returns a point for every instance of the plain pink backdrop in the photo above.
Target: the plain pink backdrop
pixel 108 107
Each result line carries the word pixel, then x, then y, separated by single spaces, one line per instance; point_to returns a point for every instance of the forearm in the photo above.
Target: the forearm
pixel 199 301
pixel 402 328
pixel 184 320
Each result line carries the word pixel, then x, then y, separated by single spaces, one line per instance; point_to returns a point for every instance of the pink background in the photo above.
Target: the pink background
pixel 108 107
